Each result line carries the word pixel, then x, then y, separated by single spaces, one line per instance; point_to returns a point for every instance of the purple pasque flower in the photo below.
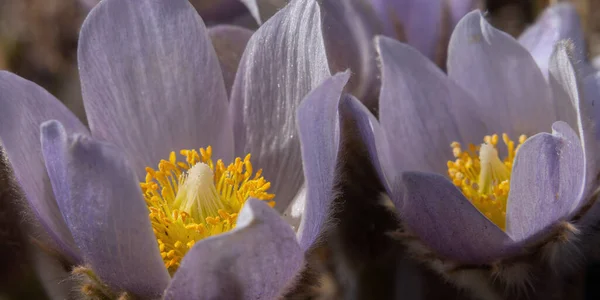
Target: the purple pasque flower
pixel 351 26
pixel 420 23
pixel 493 86
pixel 152 84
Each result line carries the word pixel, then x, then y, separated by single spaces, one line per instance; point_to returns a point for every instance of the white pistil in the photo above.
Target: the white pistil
pixel 197 194
pixel 493 170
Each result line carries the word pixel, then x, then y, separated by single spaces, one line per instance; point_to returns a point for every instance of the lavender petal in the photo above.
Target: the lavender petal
pixel 577 98
pixel 546 181
pixel 319 137
pixel 421 107
pixel 151 80
pixel 512 94
pixel 438 213
pixel 415 21
pixel 262 10
pixel 558 22
pixel 284 60
pixel 459 8
pixel 254 261
pixel 108 218
pixel 24 106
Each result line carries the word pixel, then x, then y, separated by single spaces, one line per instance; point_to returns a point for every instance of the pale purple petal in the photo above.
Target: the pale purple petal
pixel 254 261
pixel 318 128
pixel 284 60
pixel 24 106
pixel 563 83
pixel 591 85
pixel 546 181
pixel 436 211
pixel 293 213
pixel 262 10
pixel 569 88
pixel 501 75
pixel 252 6
pixel 459 8
pixel 54 148
pixel 422 111
pixel 350 29
pixel 151 80
pixel 585 68
pixel 591 122
pixel 417 22
pixel 229 42
pixel 109 218
pixel 558 22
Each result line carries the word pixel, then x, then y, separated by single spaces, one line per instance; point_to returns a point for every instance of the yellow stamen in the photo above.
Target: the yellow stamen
pixel 192 200
pixel 482 177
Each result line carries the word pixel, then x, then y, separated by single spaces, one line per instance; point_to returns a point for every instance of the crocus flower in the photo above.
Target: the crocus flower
pixel 483 203
pixel 152 86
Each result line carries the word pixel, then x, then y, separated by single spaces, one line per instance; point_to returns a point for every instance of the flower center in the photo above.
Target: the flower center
pixel 482 177
pixel 192 200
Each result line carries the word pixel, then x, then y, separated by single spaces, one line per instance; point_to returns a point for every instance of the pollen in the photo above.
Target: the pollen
pixel 482 177
pixel 195 198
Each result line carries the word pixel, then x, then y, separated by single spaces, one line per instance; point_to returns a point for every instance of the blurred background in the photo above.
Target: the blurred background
pixel 38 41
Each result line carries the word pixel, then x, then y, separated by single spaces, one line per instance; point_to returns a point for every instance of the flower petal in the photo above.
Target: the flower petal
pixel 558 22
pixel 293 213
pixel 437 212
pixel 415 21
pixel 284 60
pixel 262 10
pixel 54 142
pixel 151 80
pixel 459 8
pixel 252 6
pixel 229 42
pixel 563 82
pixel 254 261
pixel 349 42
pixel 591 85
pixel 546 182
pixel 318 129
pixel 590 117
pixel 24 106
pixel 109 218
pixel 501 76
pixel 421 107
pixel 571 92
